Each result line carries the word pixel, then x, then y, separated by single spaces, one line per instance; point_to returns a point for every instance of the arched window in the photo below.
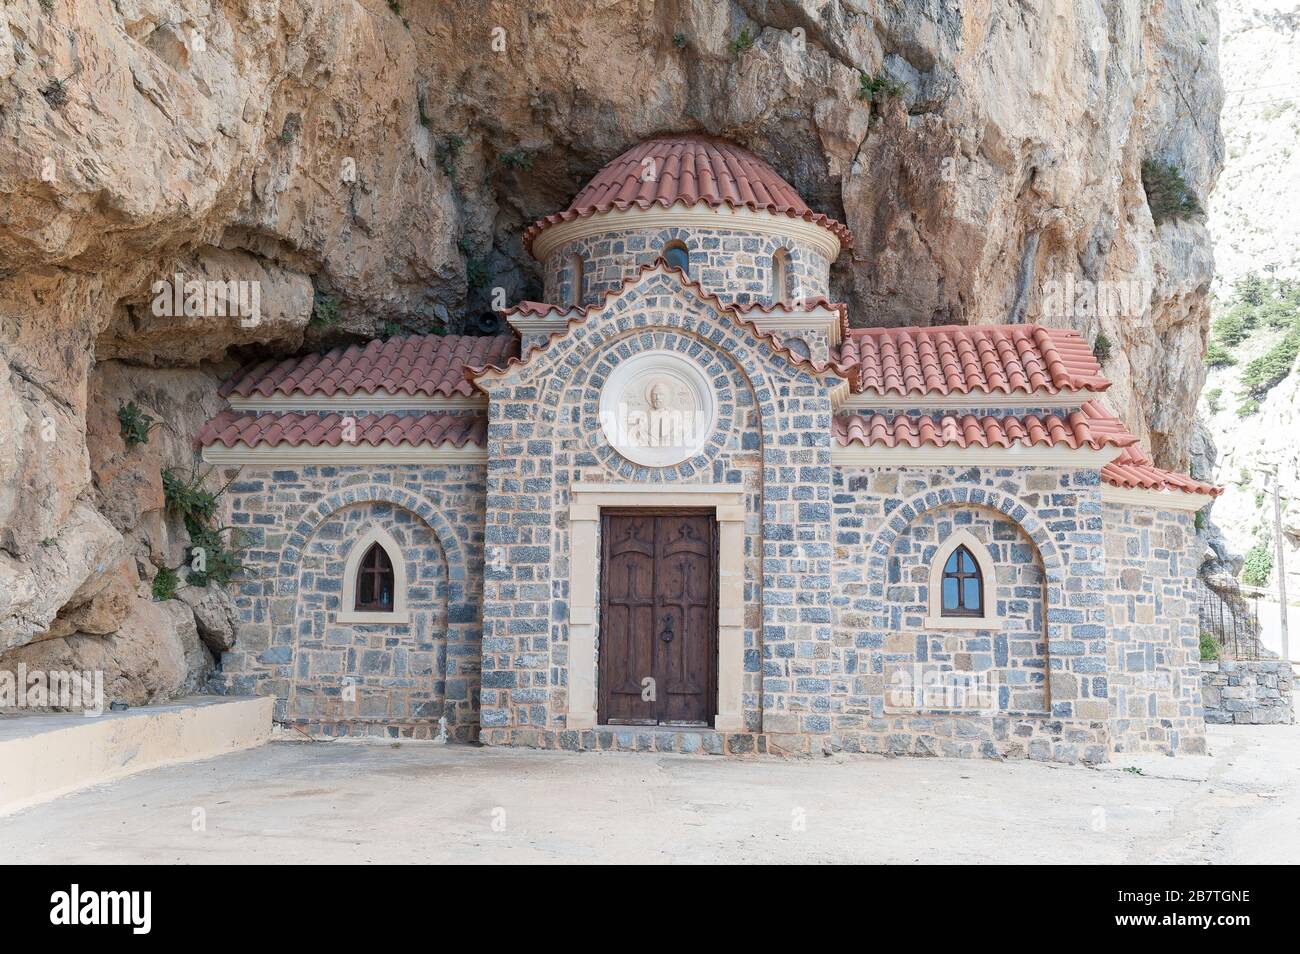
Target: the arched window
pixel 960 574
pixel 676 256
pixel 963 585
pixel 780 276
pixel 575 279
pixel 374 581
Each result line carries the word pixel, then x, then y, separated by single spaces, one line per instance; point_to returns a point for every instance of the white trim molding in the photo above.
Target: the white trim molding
pixel 381 401
pixel 1158 499
pixel 988 581
pixel 696 217
pixel 586 501
pixel 543 325
pixel 784 318
pixel 397 556
pixel 1016 455
pixel 962 403
pixel 343 455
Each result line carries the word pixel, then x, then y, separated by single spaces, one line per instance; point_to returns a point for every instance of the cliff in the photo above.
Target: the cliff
pixel 372 166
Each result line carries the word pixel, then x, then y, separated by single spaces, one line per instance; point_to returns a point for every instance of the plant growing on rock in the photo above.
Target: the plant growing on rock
pixel 165 584
pixel 1259 564
pixel 135 424
pixel 1168 194
pixel 516 159
pixel 875 89
pixel 1217 356
pixel 743 42
pixel 1209 646
pixel 1101 346
pixel 324 311
pixel 1213 402
pixel 1266 371
pixel 211 557
pixel 446 151
pixel 679 40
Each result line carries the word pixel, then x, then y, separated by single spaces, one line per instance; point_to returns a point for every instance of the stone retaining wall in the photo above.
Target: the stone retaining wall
pixel 1247 693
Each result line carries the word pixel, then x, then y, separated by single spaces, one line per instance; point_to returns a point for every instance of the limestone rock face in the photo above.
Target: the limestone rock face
pixel 340 153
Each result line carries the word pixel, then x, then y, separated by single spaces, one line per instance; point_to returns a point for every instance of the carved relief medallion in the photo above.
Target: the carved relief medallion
pixel 657 409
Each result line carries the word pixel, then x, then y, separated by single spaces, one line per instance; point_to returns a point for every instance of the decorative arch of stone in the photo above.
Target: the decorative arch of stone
pixel 1007 506
pixel 906 513
pixel 462 611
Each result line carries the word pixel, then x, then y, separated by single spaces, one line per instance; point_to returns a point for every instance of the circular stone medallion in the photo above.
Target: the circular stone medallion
pixel 657 409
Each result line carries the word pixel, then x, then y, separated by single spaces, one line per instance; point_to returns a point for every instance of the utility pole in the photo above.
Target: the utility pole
pixel 1279 561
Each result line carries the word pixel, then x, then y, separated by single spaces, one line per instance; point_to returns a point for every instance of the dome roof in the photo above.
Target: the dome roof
pixel 688 171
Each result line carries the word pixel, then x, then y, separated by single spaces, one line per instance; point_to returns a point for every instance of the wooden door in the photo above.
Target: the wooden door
pixel 658 626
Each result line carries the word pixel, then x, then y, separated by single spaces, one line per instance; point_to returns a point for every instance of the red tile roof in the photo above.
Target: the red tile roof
pixel 1091 426
pixel 1133 470
pixel 410 364
pixel 291 429
pixel 688 171
pixel 577 314
pixel 970 359
pixel 1029 430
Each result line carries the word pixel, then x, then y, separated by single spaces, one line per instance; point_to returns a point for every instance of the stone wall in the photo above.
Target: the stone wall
pixel 1247 692
pixel 1153 630
pixel 345 678
pixel 734 264
pixel 772 441
pixel 1044 527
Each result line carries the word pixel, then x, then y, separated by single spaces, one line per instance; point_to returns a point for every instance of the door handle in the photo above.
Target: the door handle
pixel 667 634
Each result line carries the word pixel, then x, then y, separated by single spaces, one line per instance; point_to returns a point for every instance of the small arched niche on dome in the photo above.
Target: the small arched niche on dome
pixel 677 256
pixel 575 280
pixel 781 277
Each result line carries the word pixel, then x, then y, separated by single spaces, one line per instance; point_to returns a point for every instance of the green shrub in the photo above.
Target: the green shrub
pixel 1230 330
pixel 1199 520
pixel 1258 565
pixel 742 43
pixel 135 424
pixel 1248 407
pixel 1168 194
pixel 1217 356
pixel 1101 346
pixel 1270 368
pixel 516 159
pixel 1209 646
pixel 1250 290
pixel 679 40
pixel 211 558
pixel 477 273
pixel 324 311
pixel 165 584
pixel 446 151
pixel 1213 400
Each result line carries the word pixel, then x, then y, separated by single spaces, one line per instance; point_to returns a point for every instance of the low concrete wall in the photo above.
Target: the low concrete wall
pixel 1247 693
pixel 44 756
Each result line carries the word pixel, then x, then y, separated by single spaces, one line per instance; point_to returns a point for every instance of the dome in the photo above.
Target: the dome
pixel 688 171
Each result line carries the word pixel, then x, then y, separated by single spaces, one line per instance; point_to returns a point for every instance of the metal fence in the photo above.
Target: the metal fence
pixel 1231 616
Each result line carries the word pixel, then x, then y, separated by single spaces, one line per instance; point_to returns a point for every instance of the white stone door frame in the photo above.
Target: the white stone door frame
pixel 586 501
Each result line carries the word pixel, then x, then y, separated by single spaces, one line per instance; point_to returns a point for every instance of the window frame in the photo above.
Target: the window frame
pixel 987 618
pixel 347 598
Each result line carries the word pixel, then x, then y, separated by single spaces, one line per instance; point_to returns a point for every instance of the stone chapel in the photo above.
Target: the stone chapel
pixel 686 506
